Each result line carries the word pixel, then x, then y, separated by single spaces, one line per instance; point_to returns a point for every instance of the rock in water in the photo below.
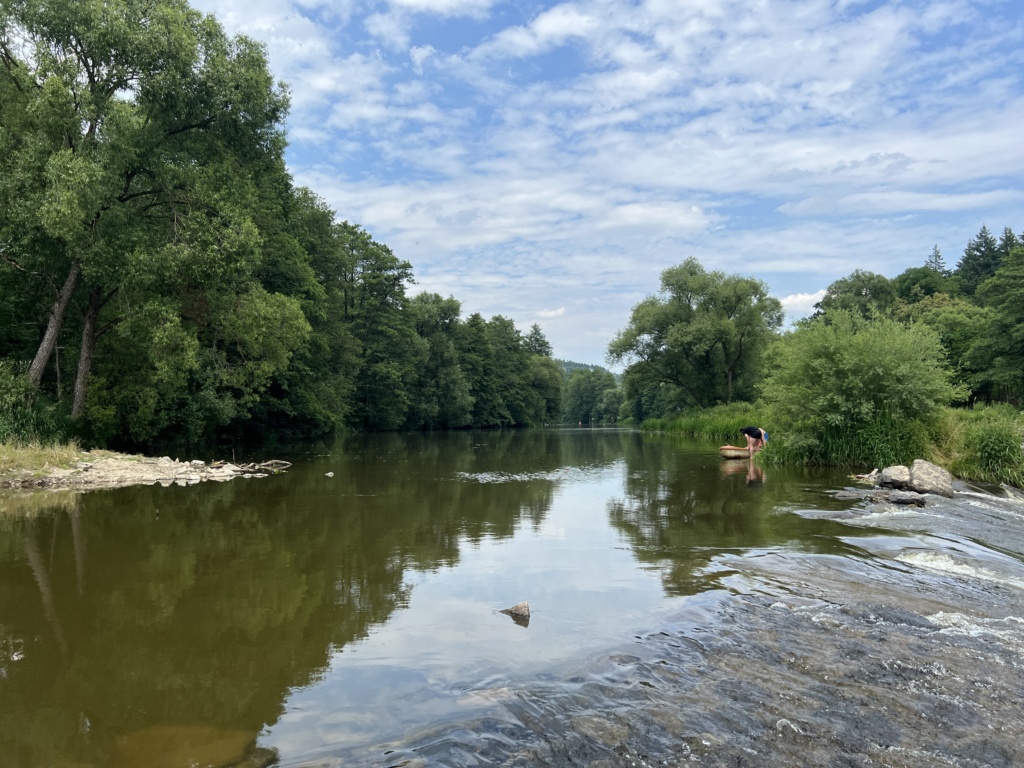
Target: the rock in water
pixel 925 477
pixel 895 477
pixel 520 613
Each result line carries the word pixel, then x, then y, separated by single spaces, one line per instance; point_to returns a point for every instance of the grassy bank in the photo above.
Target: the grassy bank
pixel 983 443
pixel 723 422
pixel 18 457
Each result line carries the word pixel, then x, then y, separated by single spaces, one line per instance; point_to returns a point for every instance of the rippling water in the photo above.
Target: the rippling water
pixel 685 611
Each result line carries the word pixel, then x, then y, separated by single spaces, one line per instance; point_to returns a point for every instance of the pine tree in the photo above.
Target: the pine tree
pixel 980 261
pixel 936 263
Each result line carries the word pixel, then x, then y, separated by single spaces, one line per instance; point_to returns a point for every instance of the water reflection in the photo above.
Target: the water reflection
pixel 680 514
pixel 144 617
pixel 178 626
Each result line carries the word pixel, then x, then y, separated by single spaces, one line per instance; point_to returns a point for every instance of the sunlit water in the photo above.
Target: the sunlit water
pixel 684 611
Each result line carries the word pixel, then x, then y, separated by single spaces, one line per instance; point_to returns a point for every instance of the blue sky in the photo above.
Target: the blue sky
pixel 546 161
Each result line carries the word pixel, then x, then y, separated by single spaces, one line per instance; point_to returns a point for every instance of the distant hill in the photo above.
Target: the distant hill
pixel 568 366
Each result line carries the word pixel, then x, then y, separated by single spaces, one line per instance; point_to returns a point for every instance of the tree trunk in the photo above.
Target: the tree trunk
pixel 53 326
pixel 92 312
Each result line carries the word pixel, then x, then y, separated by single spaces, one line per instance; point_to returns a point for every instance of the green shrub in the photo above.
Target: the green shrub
pixel 21 420
pixel 845 390
pixel 983 443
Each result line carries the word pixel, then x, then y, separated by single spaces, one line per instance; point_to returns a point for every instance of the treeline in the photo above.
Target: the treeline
pixel 161 278
pixel 865 379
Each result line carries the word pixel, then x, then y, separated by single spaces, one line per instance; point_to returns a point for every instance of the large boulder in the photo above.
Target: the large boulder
pixel 895 477
pixel 925 477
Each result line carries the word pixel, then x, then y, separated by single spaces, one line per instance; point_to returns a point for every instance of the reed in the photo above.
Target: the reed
pixel 984 443
pixel 719 422
pixel 34 456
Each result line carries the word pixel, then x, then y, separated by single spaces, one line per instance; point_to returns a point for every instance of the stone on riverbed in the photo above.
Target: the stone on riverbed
pixel 897 476
pixel 925 477
pixel 922 477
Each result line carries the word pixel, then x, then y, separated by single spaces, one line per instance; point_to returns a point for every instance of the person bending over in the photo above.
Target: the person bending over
pixel 756 438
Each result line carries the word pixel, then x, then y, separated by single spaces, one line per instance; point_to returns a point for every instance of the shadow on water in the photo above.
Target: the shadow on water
pixel 315 618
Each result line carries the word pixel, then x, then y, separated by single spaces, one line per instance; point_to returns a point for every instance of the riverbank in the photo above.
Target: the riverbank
pixel 34 467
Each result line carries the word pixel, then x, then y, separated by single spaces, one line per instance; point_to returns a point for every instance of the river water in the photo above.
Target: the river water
pixel 684 611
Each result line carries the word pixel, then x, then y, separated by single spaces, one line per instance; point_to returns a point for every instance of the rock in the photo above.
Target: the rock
pixel 895 477
pixel 329 474
pixel 520 613
pixel 906 497
pixel 926 477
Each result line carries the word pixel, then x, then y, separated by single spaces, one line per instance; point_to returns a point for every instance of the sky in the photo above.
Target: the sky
pixel 546 161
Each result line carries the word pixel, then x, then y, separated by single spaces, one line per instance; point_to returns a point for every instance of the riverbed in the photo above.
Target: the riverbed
pixel 685 610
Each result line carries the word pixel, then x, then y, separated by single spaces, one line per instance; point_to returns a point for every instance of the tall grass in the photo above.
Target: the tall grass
pixel 984 443
pixel 33 455
pixel 881 441
pixel 717 423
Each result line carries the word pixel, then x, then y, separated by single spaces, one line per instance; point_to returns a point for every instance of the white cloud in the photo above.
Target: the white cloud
pixel 563 154
pixel 801 304
pixel 475 8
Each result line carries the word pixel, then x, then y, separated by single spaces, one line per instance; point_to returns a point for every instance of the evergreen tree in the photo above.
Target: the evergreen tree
pixel 980 261
pixel 936 263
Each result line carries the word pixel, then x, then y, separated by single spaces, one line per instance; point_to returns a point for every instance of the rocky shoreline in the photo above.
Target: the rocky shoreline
pixel 120 470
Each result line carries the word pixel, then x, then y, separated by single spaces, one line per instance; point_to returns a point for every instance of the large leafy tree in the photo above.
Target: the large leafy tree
pixel 705 333
pixel 861 291
pixel 376 309
pixel 998 353
pixel 591 396
pixel 134 138
pixel 441 396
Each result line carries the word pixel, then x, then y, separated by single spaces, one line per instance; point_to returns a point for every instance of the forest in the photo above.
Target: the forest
pixel 162 281
pixel 928 363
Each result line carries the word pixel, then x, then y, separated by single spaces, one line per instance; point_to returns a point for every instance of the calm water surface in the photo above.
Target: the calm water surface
pixel 685 611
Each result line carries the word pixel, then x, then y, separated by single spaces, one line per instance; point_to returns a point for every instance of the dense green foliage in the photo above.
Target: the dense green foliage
pixel 704 336
pixel 591 396
pixel 865 381
pixel 162 280
pixel 723 422
pixel 842 389
pixel 983 443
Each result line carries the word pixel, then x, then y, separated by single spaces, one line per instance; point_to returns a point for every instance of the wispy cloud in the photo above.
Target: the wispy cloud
pixel 563 154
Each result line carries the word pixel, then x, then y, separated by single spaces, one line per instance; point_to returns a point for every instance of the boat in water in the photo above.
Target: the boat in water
pixel 733 452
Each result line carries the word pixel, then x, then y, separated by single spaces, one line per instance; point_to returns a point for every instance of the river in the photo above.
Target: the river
pixel 684 611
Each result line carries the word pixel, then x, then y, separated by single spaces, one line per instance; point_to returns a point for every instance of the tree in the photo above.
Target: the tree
pixel 980 261
pixel 536 343
pixel 377 307
pixel 704 333
pixel 440 394
pixel 135 134
pixel 591 396
pixel 860 291
pixel 998 353
pixel 936 263
pixel 843 389
pixel 915 283
pixel 960 324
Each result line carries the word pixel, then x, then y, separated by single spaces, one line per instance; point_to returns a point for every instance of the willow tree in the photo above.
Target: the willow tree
pixel 132 134
pixel 704 332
